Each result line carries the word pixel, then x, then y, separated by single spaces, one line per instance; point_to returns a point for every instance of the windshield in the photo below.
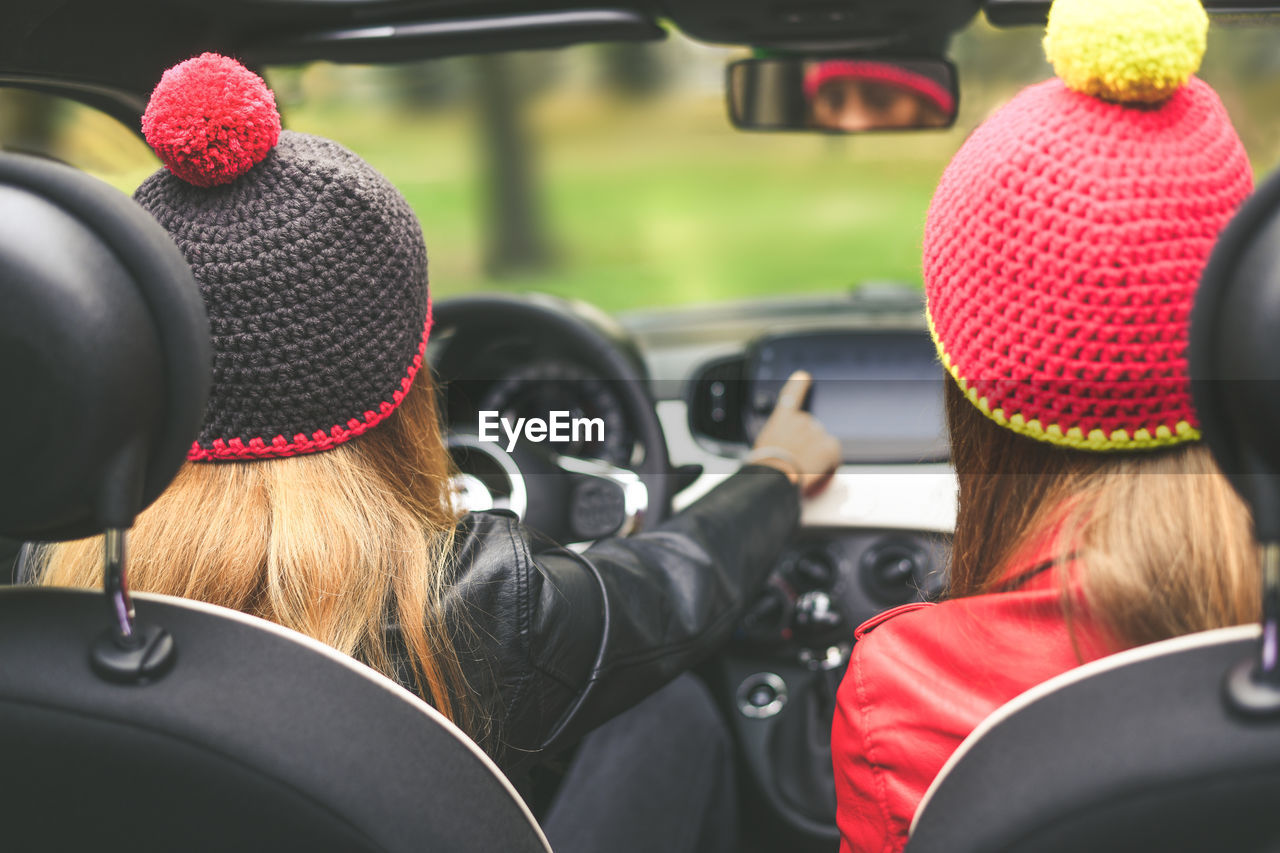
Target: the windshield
pixel 610 173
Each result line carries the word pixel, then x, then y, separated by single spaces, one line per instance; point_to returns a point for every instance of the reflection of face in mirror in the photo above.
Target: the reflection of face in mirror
pixel 852 96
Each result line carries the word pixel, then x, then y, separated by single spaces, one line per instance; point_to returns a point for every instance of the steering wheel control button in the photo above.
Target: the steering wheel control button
pixel 604 496
pixel 761 696
pixel 598 508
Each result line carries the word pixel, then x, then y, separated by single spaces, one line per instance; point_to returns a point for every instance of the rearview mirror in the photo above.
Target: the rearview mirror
pixel 844 95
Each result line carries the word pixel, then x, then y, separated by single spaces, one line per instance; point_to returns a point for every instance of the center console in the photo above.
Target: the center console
pixel 789 655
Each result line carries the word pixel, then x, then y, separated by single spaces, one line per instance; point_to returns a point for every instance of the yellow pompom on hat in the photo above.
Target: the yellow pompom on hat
pixel 1127 51
pixel 1067 237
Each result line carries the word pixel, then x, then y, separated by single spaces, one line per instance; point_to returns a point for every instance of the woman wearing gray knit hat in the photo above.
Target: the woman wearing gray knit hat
pixel 318 493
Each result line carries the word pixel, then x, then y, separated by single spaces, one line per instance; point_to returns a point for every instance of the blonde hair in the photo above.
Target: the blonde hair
pixel 1160 543
pixel 335 545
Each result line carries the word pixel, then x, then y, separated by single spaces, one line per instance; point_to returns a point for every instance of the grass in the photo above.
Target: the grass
pixel 660 203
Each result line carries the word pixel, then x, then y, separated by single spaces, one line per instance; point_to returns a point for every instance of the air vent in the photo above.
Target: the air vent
pixel 716 399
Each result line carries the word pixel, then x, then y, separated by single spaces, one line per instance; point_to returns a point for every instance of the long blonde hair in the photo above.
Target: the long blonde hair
pixel 336 545
pixel 1160 542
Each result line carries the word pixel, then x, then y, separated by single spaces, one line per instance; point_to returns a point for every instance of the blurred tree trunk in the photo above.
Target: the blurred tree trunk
pixel 28 121
pixel 633 69
pixel 516 240
pixel 429 84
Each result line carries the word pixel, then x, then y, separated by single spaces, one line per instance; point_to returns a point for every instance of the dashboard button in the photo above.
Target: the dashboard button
pixel 894 570
pixel 761 695
pixel 814 570
pixel 815 616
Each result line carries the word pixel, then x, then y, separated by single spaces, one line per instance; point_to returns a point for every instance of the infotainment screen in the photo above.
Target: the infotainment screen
pixel 879 392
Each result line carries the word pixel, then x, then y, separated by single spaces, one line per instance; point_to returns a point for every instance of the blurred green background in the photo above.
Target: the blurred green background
pixel 610 172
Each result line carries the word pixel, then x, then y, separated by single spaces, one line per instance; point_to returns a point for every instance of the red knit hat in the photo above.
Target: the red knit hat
pixel 878 72
pixel 1067 237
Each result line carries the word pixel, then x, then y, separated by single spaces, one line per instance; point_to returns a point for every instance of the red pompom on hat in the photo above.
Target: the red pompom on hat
pixel 211 120
pixel 1067 237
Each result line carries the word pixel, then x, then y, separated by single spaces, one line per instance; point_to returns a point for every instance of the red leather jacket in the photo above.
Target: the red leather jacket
pixel 923 676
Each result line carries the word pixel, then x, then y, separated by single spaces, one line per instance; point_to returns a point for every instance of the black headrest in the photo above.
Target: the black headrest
pixel 1235 355
pixel 257 738
pixel 1135 752
pixel 104 354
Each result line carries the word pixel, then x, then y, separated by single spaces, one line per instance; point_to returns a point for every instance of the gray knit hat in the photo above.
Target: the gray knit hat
pixel 311 264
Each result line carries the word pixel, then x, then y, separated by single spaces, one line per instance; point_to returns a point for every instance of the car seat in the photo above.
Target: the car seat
pixel 181 726
pixel 1176 745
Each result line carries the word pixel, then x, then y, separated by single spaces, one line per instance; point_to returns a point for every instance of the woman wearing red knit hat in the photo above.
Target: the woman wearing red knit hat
pixel 1061 256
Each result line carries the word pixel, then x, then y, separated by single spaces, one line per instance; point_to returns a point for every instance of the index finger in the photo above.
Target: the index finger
pixel 792 394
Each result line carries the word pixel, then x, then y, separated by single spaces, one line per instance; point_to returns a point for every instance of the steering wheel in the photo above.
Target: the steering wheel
pixel 568 498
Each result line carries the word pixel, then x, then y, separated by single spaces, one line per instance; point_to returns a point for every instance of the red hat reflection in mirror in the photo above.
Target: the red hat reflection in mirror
pixel 858 95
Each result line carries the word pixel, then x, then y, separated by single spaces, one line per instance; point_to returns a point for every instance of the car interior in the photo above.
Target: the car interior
pixel 107 697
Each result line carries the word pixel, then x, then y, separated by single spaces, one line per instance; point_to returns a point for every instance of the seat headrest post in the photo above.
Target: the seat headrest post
pixel 1270 657
pixel 116 584
pixel 127 652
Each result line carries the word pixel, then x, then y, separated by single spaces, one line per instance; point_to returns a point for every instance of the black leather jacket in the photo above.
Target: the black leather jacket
pixel 555 642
